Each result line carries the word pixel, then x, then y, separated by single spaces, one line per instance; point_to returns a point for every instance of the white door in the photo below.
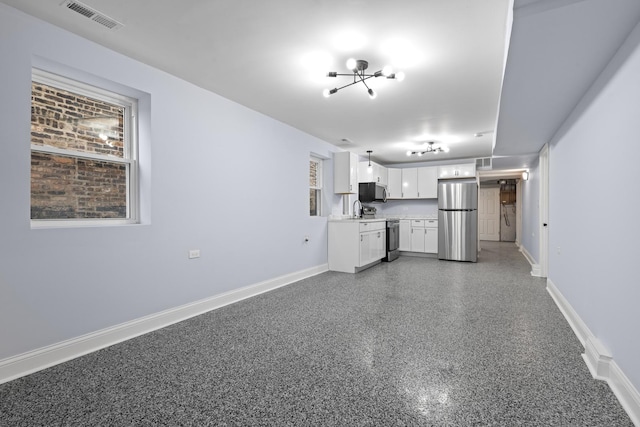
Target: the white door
pixel 489 214
pixel 410 183
pixel 428 183
pixel 544 211
pixel 405 235
pixel 417 239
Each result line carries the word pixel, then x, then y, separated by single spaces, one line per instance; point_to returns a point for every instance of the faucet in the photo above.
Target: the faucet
pixel 358 214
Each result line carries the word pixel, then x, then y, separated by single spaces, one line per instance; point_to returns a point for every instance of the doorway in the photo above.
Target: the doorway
pixel 498 214
pixel 489 214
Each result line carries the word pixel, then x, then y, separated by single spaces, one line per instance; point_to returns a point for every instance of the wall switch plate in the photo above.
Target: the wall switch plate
pixel 194 253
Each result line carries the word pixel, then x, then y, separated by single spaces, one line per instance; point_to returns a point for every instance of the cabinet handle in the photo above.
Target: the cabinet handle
pixel 378 234
pixel 361 237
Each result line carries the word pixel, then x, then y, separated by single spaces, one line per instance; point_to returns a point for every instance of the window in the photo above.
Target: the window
pixel 315 186
pixel 83 153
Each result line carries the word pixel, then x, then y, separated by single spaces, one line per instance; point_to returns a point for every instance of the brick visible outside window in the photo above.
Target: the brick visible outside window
pixel 81 162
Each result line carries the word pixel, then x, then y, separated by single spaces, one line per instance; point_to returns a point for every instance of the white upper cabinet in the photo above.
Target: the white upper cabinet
pixel 428 183
pixel 419 183
pixel 457 171
pixel 345 173
pixel 410 183
pixel 394 187
pixel 376 173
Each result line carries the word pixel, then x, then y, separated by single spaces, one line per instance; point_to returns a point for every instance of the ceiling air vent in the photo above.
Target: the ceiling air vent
pixel 92 14
pixel 484 163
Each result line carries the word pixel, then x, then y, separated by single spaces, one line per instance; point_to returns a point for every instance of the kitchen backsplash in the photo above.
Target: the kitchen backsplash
pixel 401 208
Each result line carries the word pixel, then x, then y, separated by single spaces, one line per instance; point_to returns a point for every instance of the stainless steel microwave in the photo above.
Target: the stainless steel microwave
pixel 369 192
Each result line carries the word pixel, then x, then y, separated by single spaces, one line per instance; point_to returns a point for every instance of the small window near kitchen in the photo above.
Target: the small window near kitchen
pixel 315 186
pixel 83 153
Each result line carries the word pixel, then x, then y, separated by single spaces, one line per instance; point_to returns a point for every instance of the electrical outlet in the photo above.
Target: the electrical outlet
pixel 194 253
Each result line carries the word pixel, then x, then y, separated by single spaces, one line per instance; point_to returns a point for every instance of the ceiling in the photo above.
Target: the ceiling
pixel 453 52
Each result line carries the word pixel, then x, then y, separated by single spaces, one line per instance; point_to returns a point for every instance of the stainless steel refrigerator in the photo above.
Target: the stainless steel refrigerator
pixel 458 220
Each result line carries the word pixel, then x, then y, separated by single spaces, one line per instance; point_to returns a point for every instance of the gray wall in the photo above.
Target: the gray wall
pixel 216 176
pixel 594 226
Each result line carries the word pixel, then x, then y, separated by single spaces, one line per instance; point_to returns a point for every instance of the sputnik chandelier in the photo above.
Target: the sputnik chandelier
pixel 431 148
pixel 358 67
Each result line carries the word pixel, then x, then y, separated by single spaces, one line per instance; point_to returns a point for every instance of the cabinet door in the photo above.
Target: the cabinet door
pixel 345 173
pixel 417 239
pixel 405 235
pixel 431 240
pixel 365 248
pixel 428 183
pixel 457 171
pixel 366 173
pixel 410 183
pixel 394 188
pixel 381 245
pixel 382 174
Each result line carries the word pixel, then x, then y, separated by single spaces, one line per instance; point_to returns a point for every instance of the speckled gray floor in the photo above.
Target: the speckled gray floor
pixel 414 342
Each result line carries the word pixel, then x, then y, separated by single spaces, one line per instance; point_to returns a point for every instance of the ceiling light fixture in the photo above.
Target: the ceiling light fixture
pixel 369 168
pixel 525 175
pixel 431 148
pixel 358 67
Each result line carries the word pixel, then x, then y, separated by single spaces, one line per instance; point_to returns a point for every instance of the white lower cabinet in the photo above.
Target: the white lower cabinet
pixel 405 235
pixel 354 245
pixel 431 236
pixel 420 235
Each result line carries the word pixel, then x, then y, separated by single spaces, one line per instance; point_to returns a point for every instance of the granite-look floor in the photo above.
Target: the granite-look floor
pixel 413 342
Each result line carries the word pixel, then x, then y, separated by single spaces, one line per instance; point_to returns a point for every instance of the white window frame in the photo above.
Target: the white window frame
pixel 130 149
pixel 318 187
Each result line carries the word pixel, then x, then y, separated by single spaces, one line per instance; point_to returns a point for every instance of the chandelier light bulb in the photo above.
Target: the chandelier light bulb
pixel 372 94
pixel 409 153
pixel 445 149
pixel 326 93
pixel 400 76
pixel 351 64
pixel 387 71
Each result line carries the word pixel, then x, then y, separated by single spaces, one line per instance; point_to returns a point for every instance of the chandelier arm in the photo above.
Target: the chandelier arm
pixel 355 82
pixel 347 85
pixel 365 78
pixel 355 74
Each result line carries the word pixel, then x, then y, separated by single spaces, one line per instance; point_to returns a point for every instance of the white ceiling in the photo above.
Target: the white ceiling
pixel 273 57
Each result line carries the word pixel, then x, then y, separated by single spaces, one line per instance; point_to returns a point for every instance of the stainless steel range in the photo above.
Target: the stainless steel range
pixel 393 240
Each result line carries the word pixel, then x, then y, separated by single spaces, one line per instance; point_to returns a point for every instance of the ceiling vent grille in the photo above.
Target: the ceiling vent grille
pixel 92 14
pixel 484 163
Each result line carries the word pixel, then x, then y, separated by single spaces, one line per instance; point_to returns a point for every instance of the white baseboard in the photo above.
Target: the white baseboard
pixel 598 359
pixel 576 323
pixel 535 268
pixel 36 360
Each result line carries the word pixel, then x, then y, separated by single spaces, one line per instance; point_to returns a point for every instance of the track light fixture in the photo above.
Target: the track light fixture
pixel 358 67
pixel 431 148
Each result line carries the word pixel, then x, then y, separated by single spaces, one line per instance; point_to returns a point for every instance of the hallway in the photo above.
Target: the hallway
pixel 413 342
